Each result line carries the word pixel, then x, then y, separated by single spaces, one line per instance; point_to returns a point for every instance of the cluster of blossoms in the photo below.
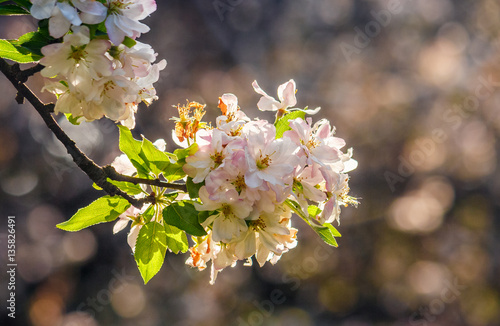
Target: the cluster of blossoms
pixel 98 69
pixel 252 176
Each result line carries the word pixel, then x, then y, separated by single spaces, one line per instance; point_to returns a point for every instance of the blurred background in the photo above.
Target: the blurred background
pixel 413 87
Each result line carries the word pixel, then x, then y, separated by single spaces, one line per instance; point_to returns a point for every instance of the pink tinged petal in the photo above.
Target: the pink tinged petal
pixel 332 178
pixel 286 94
pixel 262 254
pixel 123 165
pixel 302 129
pixel 92 19
pixel 312 111
pixel 313 193
pixel 259 90
pixel 246 247
pixel 129 25
pixel 208 204
pixel 120 225
pixel 149 6
pixel 252 180
pixel 58 24
pixel 116 35
pixel 69 12
pixel 132 236
pixel 231 102
pixel 269 241
pixel 134 11
pixel 42 9
pixel 226 228
pixel 223 259
pixel 268 104
pixel 328 210
pixel 92 7
pixel 350 165
pixel 323 130
pixel 241 208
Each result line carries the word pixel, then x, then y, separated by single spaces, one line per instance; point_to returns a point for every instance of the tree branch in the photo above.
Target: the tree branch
pixel 112 174
pixel 95 172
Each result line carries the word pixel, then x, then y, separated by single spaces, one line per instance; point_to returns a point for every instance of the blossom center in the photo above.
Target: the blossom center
pixel 258 224
pixel 218 158
pixel 77 53
pixel 263 162
pixel 239 183
pixel 116 6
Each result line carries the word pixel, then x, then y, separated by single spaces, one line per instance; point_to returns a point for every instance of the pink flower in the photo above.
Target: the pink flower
pixel 212 152
pixel 317 142
pixel 268 159
pixel 286 96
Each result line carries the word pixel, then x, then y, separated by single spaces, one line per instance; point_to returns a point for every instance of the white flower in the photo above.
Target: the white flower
pixel 229 222
pixel 63 14
pixel 232 119
pixel 77 58
pixel 123 18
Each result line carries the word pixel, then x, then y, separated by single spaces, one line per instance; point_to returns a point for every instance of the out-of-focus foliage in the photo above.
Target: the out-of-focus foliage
pixel 418 101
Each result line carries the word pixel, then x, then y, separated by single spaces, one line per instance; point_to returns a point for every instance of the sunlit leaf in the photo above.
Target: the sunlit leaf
pixel 184 215
pixel 282 124
pixel 176 239
pixel 150 249
pixel 104 209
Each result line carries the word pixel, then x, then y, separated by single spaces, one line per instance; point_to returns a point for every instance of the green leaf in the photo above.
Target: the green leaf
pixel 176 239
pixel 148 213
pixel 95 186
pixel 282 124
pixel 150 249
pixel 73 120
pixel 203 215
pixel 334 231
pixel 104 209
pixel 33 41
pixel 16 53
pixel 313 210
pixel 174 172
pixel 132 147
pixel 128 42
pixel 326 231
pixel 181 154
pixel 184 215
pixel 193 188
pixel 128 187
pixel 155 160
pixel 12 10
pixel 24 3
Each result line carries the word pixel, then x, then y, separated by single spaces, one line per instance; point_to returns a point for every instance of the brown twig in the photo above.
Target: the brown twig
pixel 112 174
pixel 95 172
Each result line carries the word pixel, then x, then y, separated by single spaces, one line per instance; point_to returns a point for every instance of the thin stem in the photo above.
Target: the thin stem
pixel 112 174
pixel 296 210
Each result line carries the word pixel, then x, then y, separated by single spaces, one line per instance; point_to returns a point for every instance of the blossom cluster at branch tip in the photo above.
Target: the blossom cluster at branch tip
pixel 252 175
pixel 98 68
